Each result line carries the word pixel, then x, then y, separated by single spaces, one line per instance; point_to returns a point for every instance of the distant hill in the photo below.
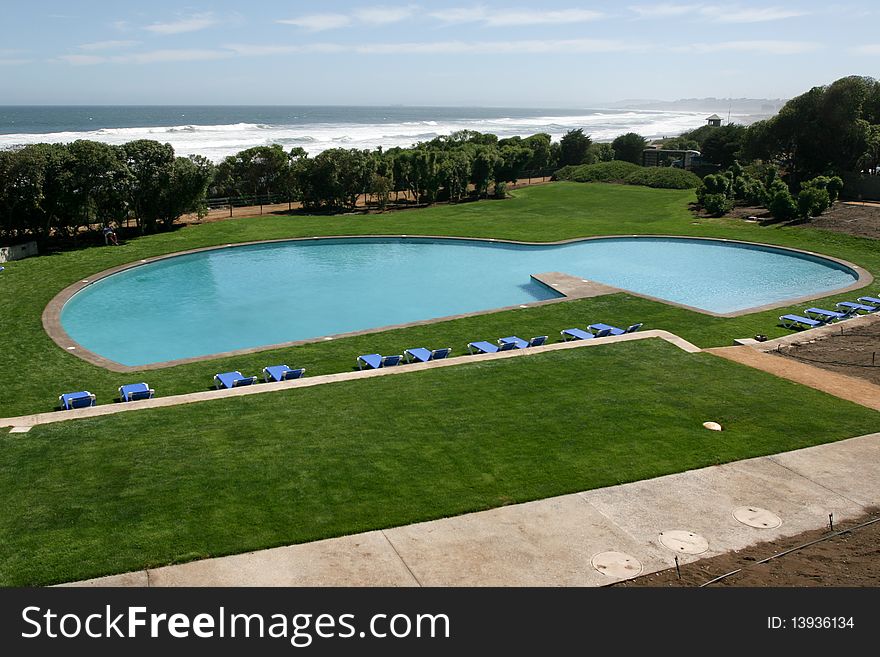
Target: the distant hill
pixel 720 106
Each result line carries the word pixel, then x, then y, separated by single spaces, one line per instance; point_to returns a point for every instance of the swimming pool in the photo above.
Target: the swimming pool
pixel 256 295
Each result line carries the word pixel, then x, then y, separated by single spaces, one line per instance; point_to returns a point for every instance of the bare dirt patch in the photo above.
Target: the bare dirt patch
pixel 859 219
pixel 848 559
pixel 854 352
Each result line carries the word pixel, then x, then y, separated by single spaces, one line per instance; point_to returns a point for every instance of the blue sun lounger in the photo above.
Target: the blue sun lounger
pixel 278 373
pixel 423 355
pixel 519 343
pixel 874 301
pixel 612 330
pixel 576 334
pixel 825 316
pixel 856 308
pixel 483 347
pixel 798 322
pixel 375 361
pixel 233 380
pixel 71 400
pixel 135 392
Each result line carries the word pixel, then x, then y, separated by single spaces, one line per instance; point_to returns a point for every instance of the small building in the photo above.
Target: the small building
pixel 660 157
pixel 714 121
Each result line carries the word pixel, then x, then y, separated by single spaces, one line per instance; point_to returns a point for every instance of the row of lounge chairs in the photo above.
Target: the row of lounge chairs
pixel 138 391
pixel 815 317
pixel 423 355
pixel 277 373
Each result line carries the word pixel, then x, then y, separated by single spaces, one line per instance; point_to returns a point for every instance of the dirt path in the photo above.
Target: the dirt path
pixel 222 214
pixel 850 559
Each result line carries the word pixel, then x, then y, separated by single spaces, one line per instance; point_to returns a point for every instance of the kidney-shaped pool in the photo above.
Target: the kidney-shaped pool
pixel 256 295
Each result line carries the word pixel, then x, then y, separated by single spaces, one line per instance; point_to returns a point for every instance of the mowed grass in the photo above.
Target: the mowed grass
pixel 119 493
pixel 36 370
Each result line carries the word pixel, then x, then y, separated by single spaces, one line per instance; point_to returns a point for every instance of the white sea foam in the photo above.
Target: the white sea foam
pixel 218 141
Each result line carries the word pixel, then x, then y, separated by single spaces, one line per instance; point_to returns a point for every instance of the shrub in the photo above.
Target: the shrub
pixel 834 187
pixel 714 184
pixel 812 201
pixel 782 205
pixel 500 190
pixel 663 178
pixel 748 189
pixel 614 171
pixel 717 205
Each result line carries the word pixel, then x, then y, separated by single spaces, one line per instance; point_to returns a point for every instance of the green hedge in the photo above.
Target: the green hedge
pixel 614 171
pixel 630 174
pixel 663 178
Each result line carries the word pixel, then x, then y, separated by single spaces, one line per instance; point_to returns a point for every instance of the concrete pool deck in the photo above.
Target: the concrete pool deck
pixel 553 542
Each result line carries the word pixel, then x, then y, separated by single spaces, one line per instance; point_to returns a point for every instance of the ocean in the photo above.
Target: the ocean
pixel 218 131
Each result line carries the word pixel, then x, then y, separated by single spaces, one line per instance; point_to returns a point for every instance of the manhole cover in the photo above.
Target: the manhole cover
pixel 754 516
pixel 683 542
pixel 616 564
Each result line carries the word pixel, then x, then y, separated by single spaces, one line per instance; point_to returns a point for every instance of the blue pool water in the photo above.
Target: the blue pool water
pixel 251 296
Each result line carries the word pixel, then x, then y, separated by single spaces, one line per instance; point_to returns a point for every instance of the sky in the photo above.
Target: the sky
pixel 547 53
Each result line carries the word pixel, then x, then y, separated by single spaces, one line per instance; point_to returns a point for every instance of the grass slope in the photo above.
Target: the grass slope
pixel 36 370
pixel 113 494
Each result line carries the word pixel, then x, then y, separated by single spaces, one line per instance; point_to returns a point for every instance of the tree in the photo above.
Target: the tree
pixel 190 178
pixel 511 164
pixel 151 165
pixel 723 145
pixel 603 152
pixel 539 145
pixel 629 147
pixel 483 168
pixel 573 147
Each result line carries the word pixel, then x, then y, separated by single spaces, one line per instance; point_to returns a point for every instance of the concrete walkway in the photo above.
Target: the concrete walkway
pixel 24 422
pixel 554 542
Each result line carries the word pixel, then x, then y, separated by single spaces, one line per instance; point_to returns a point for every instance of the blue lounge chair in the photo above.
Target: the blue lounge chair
pixel 856 308
pixel 424 355
pixel 576 334
pixel 71 400
pixel 825 316
pixel 519 343
pixel 874 301
pixel 233 380
pixel 798 322
pixel 278 373
pixel 483 347
pixel 375 361
pixel 612 330
pixel 135 391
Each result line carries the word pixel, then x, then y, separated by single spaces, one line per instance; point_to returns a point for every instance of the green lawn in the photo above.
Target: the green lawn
pixel 36 370
pixel 123 492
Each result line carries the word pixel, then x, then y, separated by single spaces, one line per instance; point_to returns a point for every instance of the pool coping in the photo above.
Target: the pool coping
pixel 51 316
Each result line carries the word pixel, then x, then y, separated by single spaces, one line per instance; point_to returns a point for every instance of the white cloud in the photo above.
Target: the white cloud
pixel 867 49
pixel 528 17
pixel 150 57
pixel 83 60
pixel 513 17
pixel 181 55
pixel 192 23
pixel 262 50
pixel 664 10
pixel 318 22
pixel 762 15
pixel 107 45
pixel 579 46
pixel 717 13
pixel 384 15
pixel 751 47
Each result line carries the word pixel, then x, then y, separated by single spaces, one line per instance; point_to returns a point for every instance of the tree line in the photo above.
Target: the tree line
pixel 792 163
pixel 65 189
